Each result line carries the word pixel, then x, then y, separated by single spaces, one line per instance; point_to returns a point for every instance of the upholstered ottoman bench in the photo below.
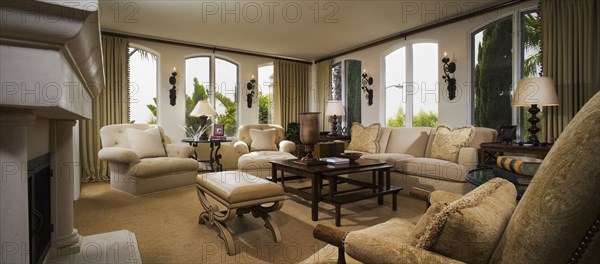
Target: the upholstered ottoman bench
pixel 259 163
pixel 240 193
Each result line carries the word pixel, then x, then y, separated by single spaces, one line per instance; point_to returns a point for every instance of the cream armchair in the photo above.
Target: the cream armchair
pixel 556 221
pixel 259 144
pixel 142 159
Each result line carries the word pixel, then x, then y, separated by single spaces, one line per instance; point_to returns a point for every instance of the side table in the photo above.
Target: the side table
pixel 480 176
pixel 214 156
pixel 487 151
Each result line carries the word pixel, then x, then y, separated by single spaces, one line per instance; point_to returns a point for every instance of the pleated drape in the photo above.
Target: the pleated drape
pixel 570 41
pixel 323 92
pixel 290 90
pixel 110 107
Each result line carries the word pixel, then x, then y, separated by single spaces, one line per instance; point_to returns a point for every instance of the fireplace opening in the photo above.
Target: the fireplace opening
pixel 40 228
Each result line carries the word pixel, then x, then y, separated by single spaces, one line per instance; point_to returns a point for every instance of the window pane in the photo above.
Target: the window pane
pixel 531 56
pixel 142 87
pixel 492 74
pixel 395 79
pixel 197 83
pixel 265 95
pixel 336 81
pixel 226 80
pixel 424 90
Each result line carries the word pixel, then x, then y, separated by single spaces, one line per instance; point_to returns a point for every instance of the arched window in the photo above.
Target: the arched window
pixel 142 86
pixel 411 75
pixel 219 87
pixel 265 94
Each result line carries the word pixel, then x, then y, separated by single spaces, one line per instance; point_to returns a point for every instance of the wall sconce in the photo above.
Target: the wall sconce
pixel 250 86
pixel 449 69
pixel 366 82
pixel 172 91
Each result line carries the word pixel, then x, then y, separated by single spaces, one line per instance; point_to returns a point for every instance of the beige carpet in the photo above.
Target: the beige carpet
pixel 167 229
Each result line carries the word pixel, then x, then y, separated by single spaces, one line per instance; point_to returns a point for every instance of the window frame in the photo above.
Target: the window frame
pixel 156 92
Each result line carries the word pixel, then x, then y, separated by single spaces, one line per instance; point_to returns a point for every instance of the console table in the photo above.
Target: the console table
pixel 215 145
pixel 487 151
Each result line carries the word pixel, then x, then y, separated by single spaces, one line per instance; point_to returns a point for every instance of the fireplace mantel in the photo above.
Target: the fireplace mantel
pixel 51 69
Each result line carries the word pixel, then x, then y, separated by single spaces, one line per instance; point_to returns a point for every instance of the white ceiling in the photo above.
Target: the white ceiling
pixel 277 29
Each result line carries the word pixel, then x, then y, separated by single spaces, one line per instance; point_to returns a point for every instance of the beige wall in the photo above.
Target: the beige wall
pixel 455 40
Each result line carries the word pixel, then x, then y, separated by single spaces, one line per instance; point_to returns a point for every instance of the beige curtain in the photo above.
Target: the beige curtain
pixel 323 92
pixel 290 90
pixel 570 41
pixel 110 107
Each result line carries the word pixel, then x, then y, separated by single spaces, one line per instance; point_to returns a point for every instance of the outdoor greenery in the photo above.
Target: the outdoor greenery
pixel 228 119
pixel 265 107
pixel 493 76
pixel 152 108
pixel 422 119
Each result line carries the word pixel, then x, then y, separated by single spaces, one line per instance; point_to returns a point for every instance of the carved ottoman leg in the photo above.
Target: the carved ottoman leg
pixel 263 212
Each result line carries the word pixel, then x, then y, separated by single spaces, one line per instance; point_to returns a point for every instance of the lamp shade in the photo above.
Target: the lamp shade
pixel 203 108
pixel 334 107
pixel 535 91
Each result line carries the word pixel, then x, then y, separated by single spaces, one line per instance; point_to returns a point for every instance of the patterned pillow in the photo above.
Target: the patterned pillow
pixel 470 228
pixel 263 139
pixel 146 143
pixel 365 139
pixel 447 142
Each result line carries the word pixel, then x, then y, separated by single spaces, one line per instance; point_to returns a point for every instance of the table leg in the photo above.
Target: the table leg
pixel 218 157
pixel 380 186
pixel 332 186
pixel 316 192
pixel 338 217
pixel 211 157
pixel 388 179
pixel 274 173
pixel 374 181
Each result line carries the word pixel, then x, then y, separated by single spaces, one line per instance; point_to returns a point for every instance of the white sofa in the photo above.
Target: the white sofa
pixel 257 162
pixel 133 173
pixel 409 151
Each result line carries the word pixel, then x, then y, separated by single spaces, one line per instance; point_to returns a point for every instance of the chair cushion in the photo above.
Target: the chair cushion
pixel 395 229
pixel 389 158
pixel 432 168
pixel 365 138
pixel 146 143
pixel 447 142
pixel 160 166
pixel 235 187
pixel 470 228
pixel 263 139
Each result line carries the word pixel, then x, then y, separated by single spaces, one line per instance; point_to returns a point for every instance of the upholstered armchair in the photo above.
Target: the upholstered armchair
pixel 556 220
pixel 142 159
pixel 258 145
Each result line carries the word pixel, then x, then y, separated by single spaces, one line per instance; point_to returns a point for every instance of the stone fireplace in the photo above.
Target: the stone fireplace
pixel 51 67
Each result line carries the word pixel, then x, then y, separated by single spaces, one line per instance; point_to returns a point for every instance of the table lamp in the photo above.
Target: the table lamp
pixel 534 92
pixel 203 110
pixel 334 108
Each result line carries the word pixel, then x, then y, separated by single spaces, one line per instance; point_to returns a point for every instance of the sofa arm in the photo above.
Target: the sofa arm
pixel 287 146
pixel 372 249
pixel 119 155
pixel 468 157
pixel 179 150
pixel 241 147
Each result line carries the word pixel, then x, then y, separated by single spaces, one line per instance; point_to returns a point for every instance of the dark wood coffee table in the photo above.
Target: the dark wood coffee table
pixel 378 187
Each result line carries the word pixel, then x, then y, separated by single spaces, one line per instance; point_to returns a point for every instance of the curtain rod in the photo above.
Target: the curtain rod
pixel 193 45
pixel 425 27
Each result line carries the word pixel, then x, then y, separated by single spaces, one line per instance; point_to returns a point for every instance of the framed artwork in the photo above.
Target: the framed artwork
pixel 219 130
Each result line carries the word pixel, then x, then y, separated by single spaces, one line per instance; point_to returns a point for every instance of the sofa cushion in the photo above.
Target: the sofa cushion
pixel 261 159
pixel 432 168
pixel 263 139
pixel 470 228
pixel 365 138
pixel 153 167
pixel 447 142
pixel 146 143
pixel 408 140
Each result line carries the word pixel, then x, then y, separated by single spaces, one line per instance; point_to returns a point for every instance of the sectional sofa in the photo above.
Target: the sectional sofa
pixel 409 150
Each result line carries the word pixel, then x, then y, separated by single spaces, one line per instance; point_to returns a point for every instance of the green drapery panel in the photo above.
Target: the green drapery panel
pixel 290 90
pixel 570 40
pixel 110 107
pixel 323 92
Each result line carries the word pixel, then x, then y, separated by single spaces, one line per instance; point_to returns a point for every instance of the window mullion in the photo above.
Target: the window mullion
pixel 408 95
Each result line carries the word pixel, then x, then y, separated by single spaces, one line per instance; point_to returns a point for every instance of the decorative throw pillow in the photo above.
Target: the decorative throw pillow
pixel 470 228
pixel 146 143
pixel 447 142
pixel 365 139
pixel 263 139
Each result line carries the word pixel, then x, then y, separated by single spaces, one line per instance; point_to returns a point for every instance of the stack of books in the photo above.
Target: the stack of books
pixel 518 170
pixel 335 160
pixel 217 138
